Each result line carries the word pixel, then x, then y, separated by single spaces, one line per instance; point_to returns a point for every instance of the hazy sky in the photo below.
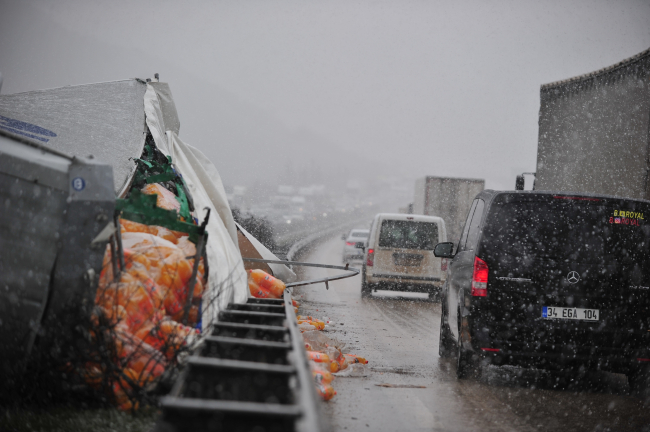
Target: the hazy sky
pixel 342 88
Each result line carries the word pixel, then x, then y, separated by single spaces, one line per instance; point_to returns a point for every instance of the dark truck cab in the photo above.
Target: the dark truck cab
pixel 551 280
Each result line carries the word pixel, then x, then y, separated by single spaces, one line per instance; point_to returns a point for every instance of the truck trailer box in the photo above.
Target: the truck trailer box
pixel 447 197
pixel 594 131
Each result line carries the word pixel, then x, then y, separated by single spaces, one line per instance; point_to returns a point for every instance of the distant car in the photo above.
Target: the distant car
pixel 399 254
pixel 550 280
pixel 354 244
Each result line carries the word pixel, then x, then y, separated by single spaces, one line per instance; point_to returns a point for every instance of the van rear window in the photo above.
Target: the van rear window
pixel 408 234
pixel 567 229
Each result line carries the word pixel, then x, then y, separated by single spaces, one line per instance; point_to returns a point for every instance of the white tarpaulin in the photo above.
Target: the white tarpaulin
pixel 227 280
pixel 280 271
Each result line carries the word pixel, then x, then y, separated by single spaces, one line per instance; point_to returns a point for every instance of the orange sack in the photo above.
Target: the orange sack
pixel 257 291
pixel 165 335
pixel 320 325
pixel 318 357
pixel 351 359
pixel 185 245
pixel 166 199
pixel 130 226
pixel 325 391
pixel 336 356
pixel 322 376
pixel 145 305
pixel 270 286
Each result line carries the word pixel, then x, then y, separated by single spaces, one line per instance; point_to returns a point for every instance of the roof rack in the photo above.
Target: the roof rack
pixel 598 73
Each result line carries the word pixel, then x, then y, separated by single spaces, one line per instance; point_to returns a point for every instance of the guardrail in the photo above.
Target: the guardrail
pixel 251 372
pixel 301 244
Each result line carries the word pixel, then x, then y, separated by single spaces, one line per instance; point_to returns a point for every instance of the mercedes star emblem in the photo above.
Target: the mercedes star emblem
pixel 573 277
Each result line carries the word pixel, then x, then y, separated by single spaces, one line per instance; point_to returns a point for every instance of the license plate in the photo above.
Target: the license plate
pixel 407 260
pixel 553 312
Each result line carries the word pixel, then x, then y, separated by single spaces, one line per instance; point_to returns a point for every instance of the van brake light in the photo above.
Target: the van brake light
pixel 370 261
pixel 350 243
pixel 479 278
pixel 443 264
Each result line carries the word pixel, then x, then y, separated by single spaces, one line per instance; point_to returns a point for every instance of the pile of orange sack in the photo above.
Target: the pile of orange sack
pixel 144 306
pixel 326 356
pixel 327 359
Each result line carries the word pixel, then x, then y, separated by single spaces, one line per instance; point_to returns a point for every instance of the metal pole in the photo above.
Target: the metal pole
pixel 111 244
pixel 199 252
pixel 352 271
pixel 118 237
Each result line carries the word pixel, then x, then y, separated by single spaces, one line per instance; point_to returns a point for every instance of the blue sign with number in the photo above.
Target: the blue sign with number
pixel 78 184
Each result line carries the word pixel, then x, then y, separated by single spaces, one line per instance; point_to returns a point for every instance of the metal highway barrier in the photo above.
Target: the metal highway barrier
pixel 352 271
pixel 251 373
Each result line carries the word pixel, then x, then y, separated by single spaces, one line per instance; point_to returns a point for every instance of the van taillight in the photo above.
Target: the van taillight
pixel 370 261
pixel 350 243
pixel 443 264
pixel 479 278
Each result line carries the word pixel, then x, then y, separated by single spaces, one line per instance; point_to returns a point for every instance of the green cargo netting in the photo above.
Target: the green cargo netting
pixel 154 167
pixel 140 207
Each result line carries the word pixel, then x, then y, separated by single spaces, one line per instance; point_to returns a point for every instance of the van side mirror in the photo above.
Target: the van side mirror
pixel 519 182
pixel 444 250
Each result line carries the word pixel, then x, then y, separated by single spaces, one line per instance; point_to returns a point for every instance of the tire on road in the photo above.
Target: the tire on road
pixel 366 289
pixel 466 365
pixel 639 382
pixel 446 342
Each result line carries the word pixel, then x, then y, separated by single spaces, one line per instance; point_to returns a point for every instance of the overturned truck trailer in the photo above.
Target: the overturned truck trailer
pixel 66 155
pixel 54 208
pixel 73 163
pixel 594 131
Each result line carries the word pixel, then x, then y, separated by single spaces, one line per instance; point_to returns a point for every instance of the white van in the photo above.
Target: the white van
pixel 399 254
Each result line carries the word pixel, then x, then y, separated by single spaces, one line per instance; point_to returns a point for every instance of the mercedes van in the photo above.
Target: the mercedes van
pixel 399 254
pixel 551 280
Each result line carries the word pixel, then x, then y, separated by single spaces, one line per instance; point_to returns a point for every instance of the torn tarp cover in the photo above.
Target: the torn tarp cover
pixel 227 281
pixel 280 271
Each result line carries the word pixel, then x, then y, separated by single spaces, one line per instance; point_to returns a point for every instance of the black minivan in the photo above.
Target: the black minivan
pixel 550 280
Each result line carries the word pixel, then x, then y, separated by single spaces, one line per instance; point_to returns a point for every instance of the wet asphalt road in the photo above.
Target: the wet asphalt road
pixel 398 334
